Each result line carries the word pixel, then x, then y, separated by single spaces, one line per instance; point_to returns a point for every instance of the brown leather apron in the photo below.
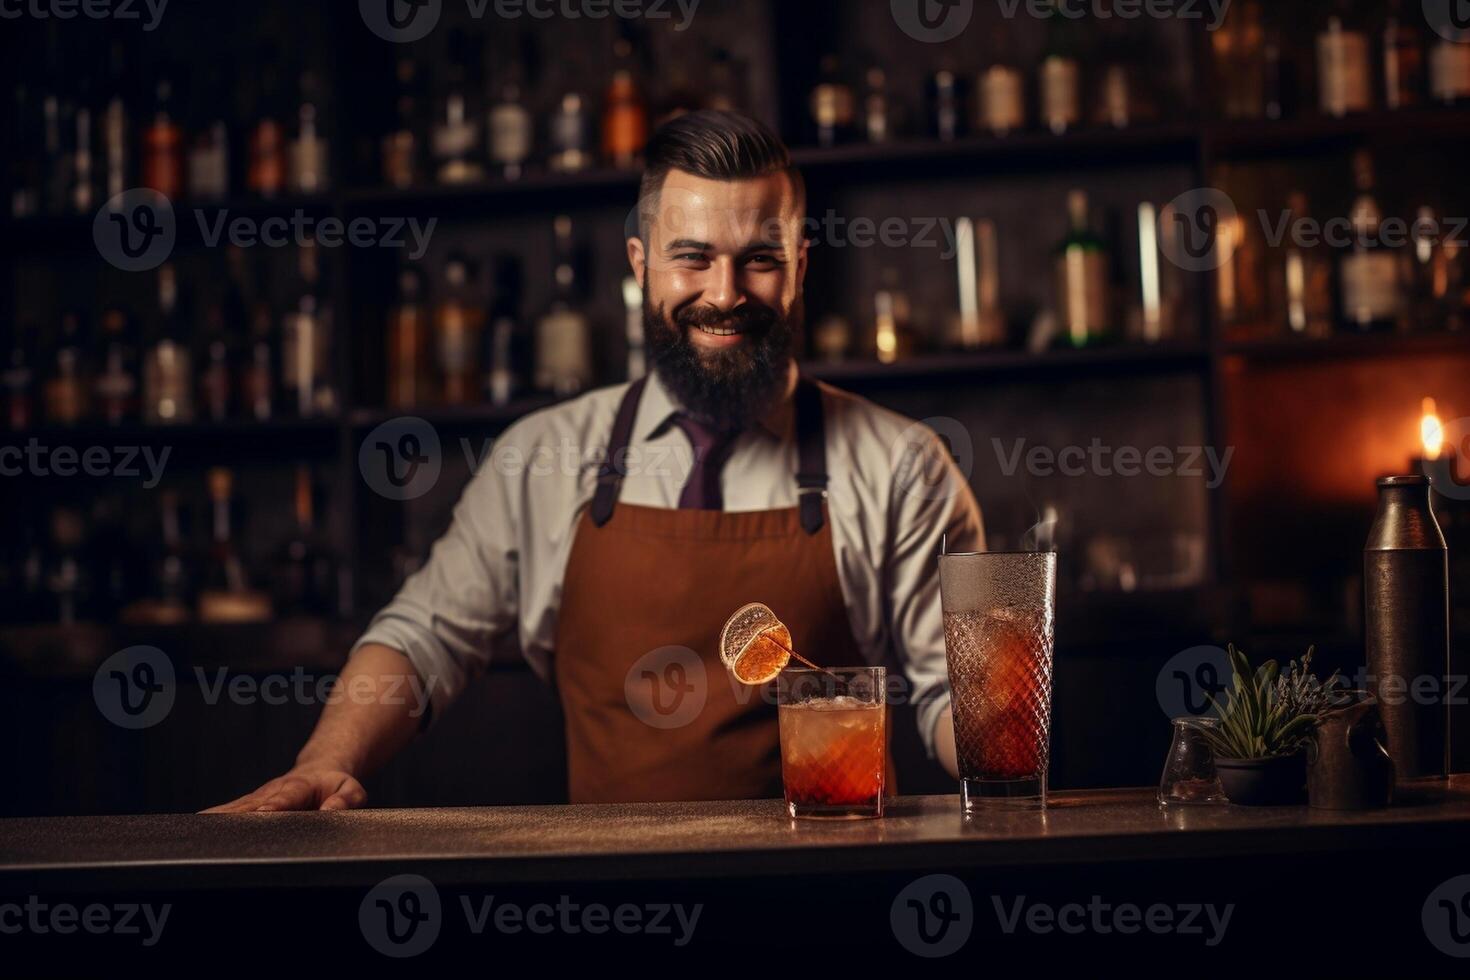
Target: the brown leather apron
pixel 651 712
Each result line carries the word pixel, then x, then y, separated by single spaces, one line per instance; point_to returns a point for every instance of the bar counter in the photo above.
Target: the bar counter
pixel 1359 889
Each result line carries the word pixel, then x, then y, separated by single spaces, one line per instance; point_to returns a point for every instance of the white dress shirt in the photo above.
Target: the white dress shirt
pixel 491 587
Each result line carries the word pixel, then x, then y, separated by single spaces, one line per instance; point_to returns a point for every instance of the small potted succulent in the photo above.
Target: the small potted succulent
pixel 1266 720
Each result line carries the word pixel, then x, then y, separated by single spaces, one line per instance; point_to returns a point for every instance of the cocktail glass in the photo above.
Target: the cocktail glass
pixel 999 609
pixel 834 741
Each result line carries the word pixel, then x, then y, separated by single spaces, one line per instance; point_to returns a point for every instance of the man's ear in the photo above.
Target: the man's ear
pixel 637 259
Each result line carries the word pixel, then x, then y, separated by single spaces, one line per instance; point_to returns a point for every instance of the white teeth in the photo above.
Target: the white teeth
pixel 720 331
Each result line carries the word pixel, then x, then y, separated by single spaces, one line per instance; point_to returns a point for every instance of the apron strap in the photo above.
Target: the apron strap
pixel 811 473
pixel 615 465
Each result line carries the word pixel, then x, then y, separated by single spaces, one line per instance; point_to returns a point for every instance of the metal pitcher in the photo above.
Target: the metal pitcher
pixel 1348 765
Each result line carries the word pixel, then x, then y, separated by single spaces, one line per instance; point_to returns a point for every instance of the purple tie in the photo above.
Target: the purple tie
pixel 711 449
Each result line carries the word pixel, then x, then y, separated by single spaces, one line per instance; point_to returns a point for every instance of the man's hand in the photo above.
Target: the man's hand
pixel 355 734
pixel 303 788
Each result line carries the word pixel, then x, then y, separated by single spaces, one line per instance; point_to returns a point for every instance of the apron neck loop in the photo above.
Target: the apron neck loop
pixel 615 464
pixel 811 475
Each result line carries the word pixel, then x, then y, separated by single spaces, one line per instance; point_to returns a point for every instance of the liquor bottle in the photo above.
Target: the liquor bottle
pixel 1307 280
pixel 1061 81
pixel 567 132
pixel 306 343
pixel 17 383
pixel 84 186
pixel 1406 586
pixel 163 146
pixel 1403 60
pixel 832 103
pixel 877 111
pixel 1082 278
pixel 980 322
pixel 225 595
pixel 209 151
pixel 511 132
pixel 1429 272
pixel 116 386
pixel 946 106
pixel 25 168
pixel 258 383
pixel 170 596
pixel 1449 66
pixel 633 328
pixel 305 572
pixel 456 137
pixel 116 123
pixel 109 557
pixel 1280 85
pixel 266 173
pixel 459 327
pixel 505 357
pixel 216 367
pixel 725 89
pixel 401 144
pixel 58 118
pixel 1370 272
pixel 410 376
pixel 624 113
pixel 308 154
pixel 1115 107
pixel 1240 62
pixel 1002 102
pixel 893 334
pixel 563 334
pixel 168 374
pixel 1344 79
pixel 68 387
pixel 66 578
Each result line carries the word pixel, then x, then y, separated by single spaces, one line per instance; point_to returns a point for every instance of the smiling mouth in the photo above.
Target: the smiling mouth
pixel 722 331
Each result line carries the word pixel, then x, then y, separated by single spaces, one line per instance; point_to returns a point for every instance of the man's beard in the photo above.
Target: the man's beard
pixel 730 387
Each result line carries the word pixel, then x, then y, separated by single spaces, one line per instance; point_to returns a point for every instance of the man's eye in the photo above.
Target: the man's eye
pixel 765 260
pixel 689 257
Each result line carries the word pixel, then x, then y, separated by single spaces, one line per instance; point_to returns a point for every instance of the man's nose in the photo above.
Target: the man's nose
pixel 721 288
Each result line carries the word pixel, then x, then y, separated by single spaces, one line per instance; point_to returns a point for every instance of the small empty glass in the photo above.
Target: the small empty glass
pixel 1189 771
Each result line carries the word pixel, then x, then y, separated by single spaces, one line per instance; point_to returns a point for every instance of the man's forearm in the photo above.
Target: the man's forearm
pixel 378 706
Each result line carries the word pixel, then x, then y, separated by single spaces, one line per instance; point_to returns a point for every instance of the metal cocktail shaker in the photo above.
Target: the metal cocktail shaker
pixel 1406 590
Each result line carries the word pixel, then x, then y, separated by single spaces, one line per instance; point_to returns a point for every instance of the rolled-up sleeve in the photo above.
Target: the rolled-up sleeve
pixel 449 615
pixel 931 504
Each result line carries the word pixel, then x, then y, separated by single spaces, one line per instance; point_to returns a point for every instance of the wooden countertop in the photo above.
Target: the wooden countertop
pixel 682 840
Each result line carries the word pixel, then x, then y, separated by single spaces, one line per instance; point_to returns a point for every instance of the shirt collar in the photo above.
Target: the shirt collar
pixel 658 406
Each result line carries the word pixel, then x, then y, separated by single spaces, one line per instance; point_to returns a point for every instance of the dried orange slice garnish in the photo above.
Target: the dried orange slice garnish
pixel 755 646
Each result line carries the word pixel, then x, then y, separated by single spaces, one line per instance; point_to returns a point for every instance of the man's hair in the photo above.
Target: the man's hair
pixel 715 145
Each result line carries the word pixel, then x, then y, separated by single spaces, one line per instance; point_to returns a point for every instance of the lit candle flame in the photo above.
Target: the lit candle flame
pixel 1431 431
